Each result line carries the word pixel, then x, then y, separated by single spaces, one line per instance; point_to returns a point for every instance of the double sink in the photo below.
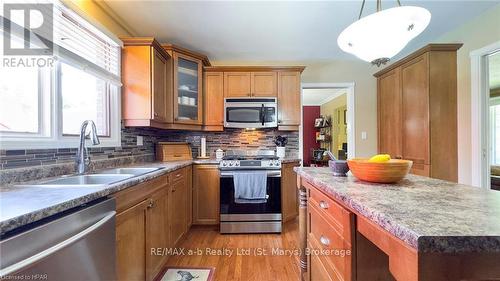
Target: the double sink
pixel 101 178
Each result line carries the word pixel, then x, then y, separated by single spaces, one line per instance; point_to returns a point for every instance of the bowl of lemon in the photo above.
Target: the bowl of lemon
pixel 380 168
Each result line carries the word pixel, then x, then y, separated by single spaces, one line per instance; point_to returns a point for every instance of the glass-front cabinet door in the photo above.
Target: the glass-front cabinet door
pixel 187 89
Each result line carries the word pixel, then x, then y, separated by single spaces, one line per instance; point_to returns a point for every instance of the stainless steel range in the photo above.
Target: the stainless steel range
pixel 256 174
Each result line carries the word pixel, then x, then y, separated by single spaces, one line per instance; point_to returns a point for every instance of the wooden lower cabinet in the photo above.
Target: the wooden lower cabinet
pixel 206 188
pixel 157 232
pixel 151 216
pixel 131 242
pixel 289 194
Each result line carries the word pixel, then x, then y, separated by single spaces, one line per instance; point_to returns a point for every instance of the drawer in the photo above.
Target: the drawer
pixel 323 235
pixel 317 270
pixel 177 175
pixel 135 194
pixel 340 218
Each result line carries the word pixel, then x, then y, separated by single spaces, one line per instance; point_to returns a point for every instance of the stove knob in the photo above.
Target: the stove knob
pixel 224 164
pixel 231 164
pixel 237 164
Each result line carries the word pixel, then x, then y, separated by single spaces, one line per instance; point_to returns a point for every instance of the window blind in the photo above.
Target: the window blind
pixel 79 42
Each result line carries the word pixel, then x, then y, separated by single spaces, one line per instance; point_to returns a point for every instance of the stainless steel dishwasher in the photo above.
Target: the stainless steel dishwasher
pixel 79 245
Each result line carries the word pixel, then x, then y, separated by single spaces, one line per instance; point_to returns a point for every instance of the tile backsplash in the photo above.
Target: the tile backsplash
pixel 227 140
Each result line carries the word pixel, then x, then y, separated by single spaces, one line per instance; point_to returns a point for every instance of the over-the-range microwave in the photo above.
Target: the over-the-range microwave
pixel 250 112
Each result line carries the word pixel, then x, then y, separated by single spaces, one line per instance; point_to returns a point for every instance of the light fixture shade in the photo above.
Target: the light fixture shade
pixel 382 35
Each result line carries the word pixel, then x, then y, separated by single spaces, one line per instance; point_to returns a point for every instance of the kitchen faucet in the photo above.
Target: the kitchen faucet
pixel 82 162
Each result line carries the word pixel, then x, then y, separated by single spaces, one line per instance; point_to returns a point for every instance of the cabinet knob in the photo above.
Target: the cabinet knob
pixel 279 121
pixel 325 241
pixel 398 157
pixel 323 205
pixel 155 114
pixel 151 203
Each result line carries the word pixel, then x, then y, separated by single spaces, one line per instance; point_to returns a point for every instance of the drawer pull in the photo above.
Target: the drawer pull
pixel 323 205
pixel 325 241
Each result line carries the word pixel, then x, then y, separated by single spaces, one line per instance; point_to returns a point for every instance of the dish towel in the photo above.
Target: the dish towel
pixel 250 186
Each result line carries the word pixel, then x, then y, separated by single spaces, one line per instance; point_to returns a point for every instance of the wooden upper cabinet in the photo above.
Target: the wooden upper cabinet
pixel 159 103
pixel 289 109
pixel 206 194
pixel 144 75
pixel 417 110
pixel 213 84
pixel 237 84
pixel 264 84
pixel 188 93
pixel 389 114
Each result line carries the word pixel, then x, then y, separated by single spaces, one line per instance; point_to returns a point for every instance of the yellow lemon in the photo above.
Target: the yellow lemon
pixel 380 158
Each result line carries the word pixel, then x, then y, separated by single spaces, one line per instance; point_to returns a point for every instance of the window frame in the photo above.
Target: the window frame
pixel 50 133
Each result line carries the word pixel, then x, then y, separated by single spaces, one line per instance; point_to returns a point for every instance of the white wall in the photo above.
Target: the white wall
pixel 475 34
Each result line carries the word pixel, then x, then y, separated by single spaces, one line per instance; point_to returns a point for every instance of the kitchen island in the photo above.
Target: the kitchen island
pixel 417 229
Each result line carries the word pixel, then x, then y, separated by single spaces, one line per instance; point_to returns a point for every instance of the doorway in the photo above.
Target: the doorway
pixel 485 70
pixel 327 122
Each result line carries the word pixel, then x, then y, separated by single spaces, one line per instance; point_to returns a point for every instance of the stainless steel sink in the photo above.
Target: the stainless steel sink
pixel 87 180
pixel 131 171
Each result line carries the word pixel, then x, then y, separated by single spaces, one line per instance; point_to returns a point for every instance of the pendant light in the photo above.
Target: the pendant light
pixel 379 36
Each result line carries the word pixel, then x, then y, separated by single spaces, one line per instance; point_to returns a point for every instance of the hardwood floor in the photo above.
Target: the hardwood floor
pixel 241 265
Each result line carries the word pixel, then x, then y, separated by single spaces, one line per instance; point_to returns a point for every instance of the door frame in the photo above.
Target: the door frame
pixel 480 141
pixel 351 114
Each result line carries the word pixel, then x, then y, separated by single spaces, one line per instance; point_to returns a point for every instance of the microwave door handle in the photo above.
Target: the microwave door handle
pixel 262 115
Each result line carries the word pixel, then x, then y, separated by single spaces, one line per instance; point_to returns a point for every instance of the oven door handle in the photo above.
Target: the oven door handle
pixel 230 174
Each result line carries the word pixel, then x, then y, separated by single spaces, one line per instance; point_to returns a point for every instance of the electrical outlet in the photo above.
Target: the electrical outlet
pixel 140 140
pixel 364 136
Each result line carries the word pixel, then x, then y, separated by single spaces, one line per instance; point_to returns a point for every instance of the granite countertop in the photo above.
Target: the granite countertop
pixel 21 205
pixel 428 214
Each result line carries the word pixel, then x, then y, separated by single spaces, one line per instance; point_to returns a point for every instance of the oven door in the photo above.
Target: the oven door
pixel 250 113
pixel 270 208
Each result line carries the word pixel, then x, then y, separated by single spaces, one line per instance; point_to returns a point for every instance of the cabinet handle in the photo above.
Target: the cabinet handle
pixel 323 205
pixel 325 241
pixel 155 114
pixel 398 157
pixel 151 203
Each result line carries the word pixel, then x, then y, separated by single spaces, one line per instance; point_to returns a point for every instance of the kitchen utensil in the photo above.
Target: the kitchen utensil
pixel 391 171
pixel 339 167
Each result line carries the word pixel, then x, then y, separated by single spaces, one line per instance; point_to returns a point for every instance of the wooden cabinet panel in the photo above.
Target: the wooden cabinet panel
pixel 159 86
pixel 214 99
pixel 415 108
pixel 389 114
pixel 189 194
pixel 131 243
pixel 289 98
pixel 237 84
pixel 317 270
pixel 264 84
pixel 289 192
pixel 206 194
pixel 157 232
pixel 136 71
pixel 177 211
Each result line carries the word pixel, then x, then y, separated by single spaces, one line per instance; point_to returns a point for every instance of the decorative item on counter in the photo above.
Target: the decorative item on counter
pixel 280 142
pixel 339 167
pixel 219 153
pixel 380 168
pixel 203 148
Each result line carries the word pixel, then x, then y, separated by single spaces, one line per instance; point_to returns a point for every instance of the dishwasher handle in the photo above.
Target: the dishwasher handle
pixel 58 247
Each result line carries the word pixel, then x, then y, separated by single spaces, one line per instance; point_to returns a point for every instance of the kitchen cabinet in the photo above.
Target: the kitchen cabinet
pixel 289 195
pixel 213 83
pixel 237 84
pixel 131 242
pixel 157 231
pixel 258 81
pixel 289 107
pixel 188 94
pixel 152 214
pixel 417 115
pixel 144 71
pixel 189 194
pixel 250 84
pixel 206 199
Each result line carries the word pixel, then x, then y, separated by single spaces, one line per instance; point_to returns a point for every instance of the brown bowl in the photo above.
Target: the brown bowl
pixel 391 171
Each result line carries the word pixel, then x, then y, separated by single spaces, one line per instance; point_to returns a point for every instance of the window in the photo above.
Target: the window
pixel 495 130
pixel 43 107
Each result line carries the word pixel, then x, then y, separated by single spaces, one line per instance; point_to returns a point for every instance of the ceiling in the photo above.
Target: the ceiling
pixel 320 96
pixel 274 31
